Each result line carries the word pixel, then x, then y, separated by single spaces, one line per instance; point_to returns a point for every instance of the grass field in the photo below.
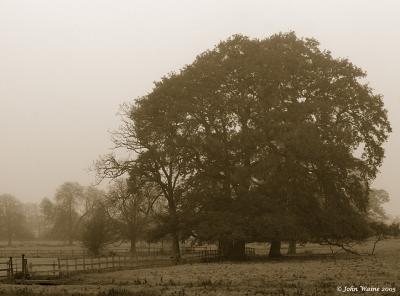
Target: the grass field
pixel 300 275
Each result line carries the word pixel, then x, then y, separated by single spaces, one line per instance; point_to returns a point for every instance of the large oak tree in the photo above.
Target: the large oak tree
pixel 261 140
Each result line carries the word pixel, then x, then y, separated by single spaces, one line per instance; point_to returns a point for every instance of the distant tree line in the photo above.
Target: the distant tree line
pixel 97 217
pixel 257 141
pixel 94 217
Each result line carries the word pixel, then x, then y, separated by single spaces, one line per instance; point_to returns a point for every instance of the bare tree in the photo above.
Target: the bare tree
pixel 129 204
pixel 154 157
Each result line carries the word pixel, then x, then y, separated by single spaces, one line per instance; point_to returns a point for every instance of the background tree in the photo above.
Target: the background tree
pixel 97 231
pixel 379 223
pixel 12 219
pixel 68 201
pixel 62 218
pixel 48 216
pixel 377 197
pixel 91 196
pixel 31 212
pixel 129 204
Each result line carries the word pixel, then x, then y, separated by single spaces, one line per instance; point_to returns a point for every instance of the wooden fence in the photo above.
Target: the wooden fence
pixel 60 267
pixel 68 266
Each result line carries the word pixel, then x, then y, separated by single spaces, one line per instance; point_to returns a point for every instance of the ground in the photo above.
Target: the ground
pixel 303 275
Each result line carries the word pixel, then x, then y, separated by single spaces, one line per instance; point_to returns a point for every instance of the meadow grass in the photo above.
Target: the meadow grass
pixel 300 275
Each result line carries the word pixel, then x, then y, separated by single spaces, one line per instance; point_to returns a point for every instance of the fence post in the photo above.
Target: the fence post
pixel 12 267
pixel 10 270
pixel 23 265
pixel 84 263
pixel 67 265
pixel 98 261
pixel 76 264
pixel 54 268
pixel 91 263
pixel 59 267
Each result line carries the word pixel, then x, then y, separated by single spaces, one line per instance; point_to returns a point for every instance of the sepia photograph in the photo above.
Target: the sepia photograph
pixel 195 148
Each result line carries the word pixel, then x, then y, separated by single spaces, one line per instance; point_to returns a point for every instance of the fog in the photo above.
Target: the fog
pixel 67 65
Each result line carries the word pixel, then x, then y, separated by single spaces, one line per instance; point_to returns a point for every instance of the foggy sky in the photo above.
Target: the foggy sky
pixel 67 65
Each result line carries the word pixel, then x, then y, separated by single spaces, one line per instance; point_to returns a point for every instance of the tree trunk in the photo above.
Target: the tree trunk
pixel 292 248
pixel 175 247
pixel 239 250
pixel 275 249
pixel 70 240
pixel 175 231
pixel 224 248
pixel 232 249
pixel 133 245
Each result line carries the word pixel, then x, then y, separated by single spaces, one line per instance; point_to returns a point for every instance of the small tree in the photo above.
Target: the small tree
pixel 96 230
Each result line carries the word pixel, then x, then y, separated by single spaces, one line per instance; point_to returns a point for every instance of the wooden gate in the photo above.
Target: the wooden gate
pixel 6 268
